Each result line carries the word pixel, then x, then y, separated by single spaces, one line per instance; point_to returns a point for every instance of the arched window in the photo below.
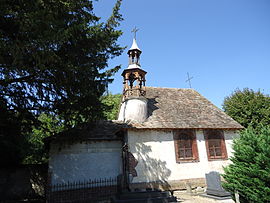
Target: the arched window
pixel 185 146
pixel 215 144
pixel 131 79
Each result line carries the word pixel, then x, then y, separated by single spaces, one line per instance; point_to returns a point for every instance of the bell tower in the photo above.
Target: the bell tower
pixel 134 76
pixel 134 103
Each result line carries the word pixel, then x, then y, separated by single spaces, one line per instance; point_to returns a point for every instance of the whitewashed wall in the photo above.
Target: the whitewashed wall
pixel 134 109
pixel 84 161
pixel 155 153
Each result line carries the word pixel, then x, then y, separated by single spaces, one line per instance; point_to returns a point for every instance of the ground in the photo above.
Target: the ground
pixel 183 196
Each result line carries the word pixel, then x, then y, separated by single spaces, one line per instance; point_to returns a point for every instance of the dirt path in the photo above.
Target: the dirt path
pixel 183 196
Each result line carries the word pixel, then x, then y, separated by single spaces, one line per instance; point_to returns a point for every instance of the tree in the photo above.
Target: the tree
pixel 248 107
pixel 13 126
pixel 53 60
pixel 36 152
pixel 112 105
pixel 53 56
pixel 249 173
pixel 50 125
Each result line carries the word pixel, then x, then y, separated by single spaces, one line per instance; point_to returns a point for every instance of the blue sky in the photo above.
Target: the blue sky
pixel 223 44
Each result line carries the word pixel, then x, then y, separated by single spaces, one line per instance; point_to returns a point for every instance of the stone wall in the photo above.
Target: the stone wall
pixel 170 185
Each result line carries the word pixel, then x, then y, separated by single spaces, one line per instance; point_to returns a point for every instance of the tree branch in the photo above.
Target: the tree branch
pixel 6 82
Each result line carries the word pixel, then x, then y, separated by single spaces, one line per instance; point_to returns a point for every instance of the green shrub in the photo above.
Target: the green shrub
pixel 249 173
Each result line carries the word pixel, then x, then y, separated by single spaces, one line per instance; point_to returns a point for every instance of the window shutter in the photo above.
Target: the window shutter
pixel 223 147
pixel 176 144
pixel 206 144
pixel 195 147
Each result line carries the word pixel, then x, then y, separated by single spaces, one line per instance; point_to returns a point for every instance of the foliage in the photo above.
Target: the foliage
pixel 249 173
pixel 13 126
pixel 49 125
pixel 53 60
pixel 112 105
pixel 54 55
pixel 248 107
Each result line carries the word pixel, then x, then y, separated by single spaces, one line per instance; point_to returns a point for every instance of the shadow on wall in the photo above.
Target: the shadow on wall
pixel 151 106
pixel 153 171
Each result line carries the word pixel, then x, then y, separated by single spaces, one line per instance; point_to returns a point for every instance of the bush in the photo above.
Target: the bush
pixel 249 173
pixel 248 107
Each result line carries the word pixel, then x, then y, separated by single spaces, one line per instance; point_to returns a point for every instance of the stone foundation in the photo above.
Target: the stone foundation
pixel 169 185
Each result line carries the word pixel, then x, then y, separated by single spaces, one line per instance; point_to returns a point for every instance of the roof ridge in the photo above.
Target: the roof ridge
pixel 172 88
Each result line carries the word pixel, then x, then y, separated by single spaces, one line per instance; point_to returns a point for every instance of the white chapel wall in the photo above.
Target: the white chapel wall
pixel 84 161
pixel 155 153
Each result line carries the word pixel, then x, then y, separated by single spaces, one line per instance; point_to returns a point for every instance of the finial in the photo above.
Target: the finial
pixel 189 79
pixel 135 30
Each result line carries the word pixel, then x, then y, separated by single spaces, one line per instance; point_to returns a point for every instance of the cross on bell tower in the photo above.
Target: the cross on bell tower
pixel 135 30
pixel 134 76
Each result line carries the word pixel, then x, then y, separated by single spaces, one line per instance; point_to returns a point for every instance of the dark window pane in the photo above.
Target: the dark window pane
pixel 214 136
pixel 185 142
pixel 185 153
pixel 188 143
pixel 214 143
pixel 218 152
pixel 214 146
pixel 182 144
pixel 188 153
pixel 181 153
pixel 212 152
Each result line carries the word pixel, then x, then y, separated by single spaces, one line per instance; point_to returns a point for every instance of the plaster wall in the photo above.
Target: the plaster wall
pixel 134 109
pixel 155 153
pixel 84 161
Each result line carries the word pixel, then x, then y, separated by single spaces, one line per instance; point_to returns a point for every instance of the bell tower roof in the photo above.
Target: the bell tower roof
pixel 134 46
pixel 134 53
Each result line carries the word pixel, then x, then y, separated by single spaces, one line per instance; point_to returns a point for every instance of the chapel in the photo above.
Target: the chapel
pixel 163 138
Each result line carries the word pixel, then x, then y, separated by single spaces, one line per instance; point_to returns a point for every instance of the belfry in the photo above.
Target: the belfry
pixel 134 76
pixel 134 103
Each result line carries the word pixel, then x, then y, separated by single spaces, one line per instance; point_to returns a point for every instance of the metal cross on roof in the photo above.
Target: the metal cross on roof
pixel 189 79
pixel 135 30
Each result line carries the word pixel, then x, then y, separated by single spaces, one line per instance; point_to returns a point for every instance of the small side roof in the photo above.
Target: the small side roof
pixel 100 130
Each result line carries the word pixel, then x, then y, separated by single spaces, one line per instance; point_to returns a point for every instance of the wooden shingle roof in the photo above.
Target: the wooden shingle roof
pixel 100 130
pixel 183 108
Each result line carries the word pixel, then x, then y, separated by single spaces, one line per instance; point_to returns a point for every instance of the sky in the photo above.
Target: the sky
pixel 222 44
